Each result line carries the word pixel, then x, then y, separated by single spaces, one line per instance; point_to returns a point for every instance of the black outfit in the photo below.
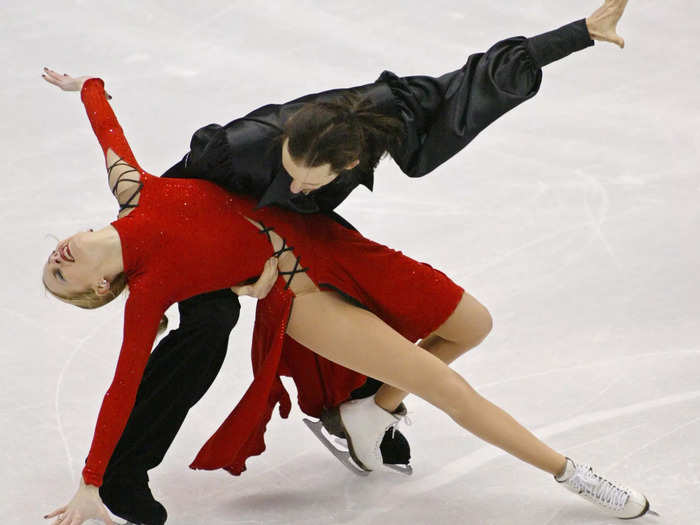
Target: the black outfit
pixel 441 115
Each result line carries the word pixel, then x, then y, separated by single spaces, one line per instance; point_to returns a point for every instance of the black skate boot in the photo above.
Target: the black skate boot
pixel 131 499
pixel 395 448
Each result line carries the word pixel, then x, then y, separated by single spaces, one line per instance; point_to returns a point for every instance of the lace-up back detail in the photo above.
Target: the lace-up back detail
pixel 289 264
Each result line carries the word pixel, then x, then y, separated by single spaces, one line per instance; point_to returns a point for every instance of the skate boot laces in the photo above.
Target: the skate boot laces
pixel 604 492
pixel 401 413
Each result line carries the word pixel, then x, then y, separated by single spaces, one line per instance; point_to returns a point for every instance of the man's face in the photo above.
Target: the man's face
pixel 305 179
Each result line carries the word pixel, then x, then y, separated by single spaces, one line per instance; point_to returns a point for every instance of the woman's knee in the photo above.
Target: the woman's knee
pixel 482 321
pixel 469 324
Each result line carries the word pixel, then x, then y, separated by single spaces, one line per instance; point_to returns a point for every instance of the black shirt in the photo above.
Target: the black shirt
pixel 441 115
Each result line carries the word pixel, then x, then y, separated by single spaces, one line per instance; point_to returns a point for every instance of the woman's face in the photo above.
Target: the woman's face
pixel 305 179
pixel 71 267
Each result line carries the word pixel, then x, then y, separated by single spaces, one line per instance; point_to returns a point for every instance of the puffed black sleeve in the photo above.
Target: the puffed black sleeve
pixel 241 156
pixel 442 115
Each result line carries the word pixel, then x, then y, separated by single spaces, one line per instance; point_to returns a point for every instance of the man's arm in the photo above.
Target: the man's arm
pixel 239 156
pixel 444 114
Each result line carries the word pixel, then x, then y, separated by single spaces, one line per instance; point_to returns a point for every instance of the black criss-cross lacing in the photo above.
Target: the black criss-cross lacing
pixel 266 230
pixel 120 179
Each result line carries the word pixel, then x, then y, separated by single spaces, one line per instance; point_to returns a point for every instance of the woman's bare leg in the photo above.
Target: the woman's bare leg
pixel 357 339
pixel 466 328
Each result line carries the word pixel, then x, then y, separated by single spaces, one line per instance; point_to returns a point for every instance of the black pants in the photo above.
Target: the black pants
pixel 179 372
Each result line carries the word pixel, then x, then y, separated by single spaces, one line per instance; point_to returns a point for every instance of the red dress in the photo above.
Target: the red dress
pixel 187 237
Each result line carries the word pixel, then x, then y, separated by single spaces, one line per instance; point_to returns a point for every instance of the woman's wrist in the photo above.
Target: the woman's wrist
pixel 86 487
pixel 86 84
pixel 88 80
pixel 90 478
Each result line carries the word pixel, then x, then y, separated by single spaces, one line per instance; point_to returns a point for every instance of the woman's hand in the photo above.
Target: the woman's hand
pixel 263 285
pixel 85 505
pixel 602 24
pixel 66 82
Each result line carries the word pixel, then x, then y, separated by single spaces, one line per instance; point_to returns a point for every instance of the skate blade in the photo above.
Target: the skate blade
pixel 648 511
pixel 402 469
pixel 343 457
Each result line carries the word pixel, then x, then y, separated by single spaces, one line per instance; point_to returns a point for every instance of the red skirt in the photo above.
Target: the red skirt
pixel 411 297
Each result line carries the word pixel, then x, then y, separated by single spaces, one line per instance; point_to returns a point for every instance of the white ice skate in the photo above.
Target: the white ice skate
pixel 363 424
pixel 615 499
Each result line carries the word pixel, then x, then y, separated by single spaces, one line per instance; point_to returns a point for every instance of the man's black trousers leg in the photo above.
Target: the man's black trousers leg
pixel 180 370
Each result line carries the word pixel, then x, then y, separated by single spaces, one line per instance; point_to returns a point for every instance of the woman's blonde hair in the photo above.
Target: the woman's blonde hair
pixel 89 300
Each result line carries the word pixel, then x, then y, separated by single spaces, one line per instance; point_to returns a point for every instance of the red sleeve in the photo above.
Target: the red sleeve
pixel 104 122
pixel 141 317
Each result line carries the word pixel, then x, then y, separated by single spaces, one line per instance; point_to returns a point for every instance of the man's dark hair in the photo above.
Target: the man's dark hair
pixel 341 131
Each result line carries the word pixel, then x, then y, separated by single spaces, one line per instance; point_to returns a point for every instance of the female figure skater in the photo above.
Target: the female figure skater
pixel 438 117
pixel 169 227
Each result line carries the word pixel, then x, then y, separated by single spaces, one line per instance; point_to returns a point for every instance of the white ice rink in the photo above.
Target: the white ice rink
pixel 574 218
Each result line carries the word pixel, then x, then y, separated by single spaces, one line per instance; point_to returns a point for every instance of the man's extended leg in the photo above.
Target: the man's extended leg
pixel 180 370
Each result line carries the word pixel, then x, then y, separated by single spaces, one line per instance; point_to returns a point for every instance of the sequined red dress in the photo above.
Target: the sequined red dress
pixel 188 236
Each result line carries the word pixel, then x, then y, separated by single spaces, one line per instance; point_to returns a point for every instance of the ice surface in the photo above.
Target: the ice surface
pixel 574 219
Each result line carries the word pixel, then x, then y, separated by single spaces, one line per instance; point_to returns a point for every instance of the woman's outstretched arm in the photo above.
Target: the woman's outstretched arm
pixel 124 172
pixel 141 316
